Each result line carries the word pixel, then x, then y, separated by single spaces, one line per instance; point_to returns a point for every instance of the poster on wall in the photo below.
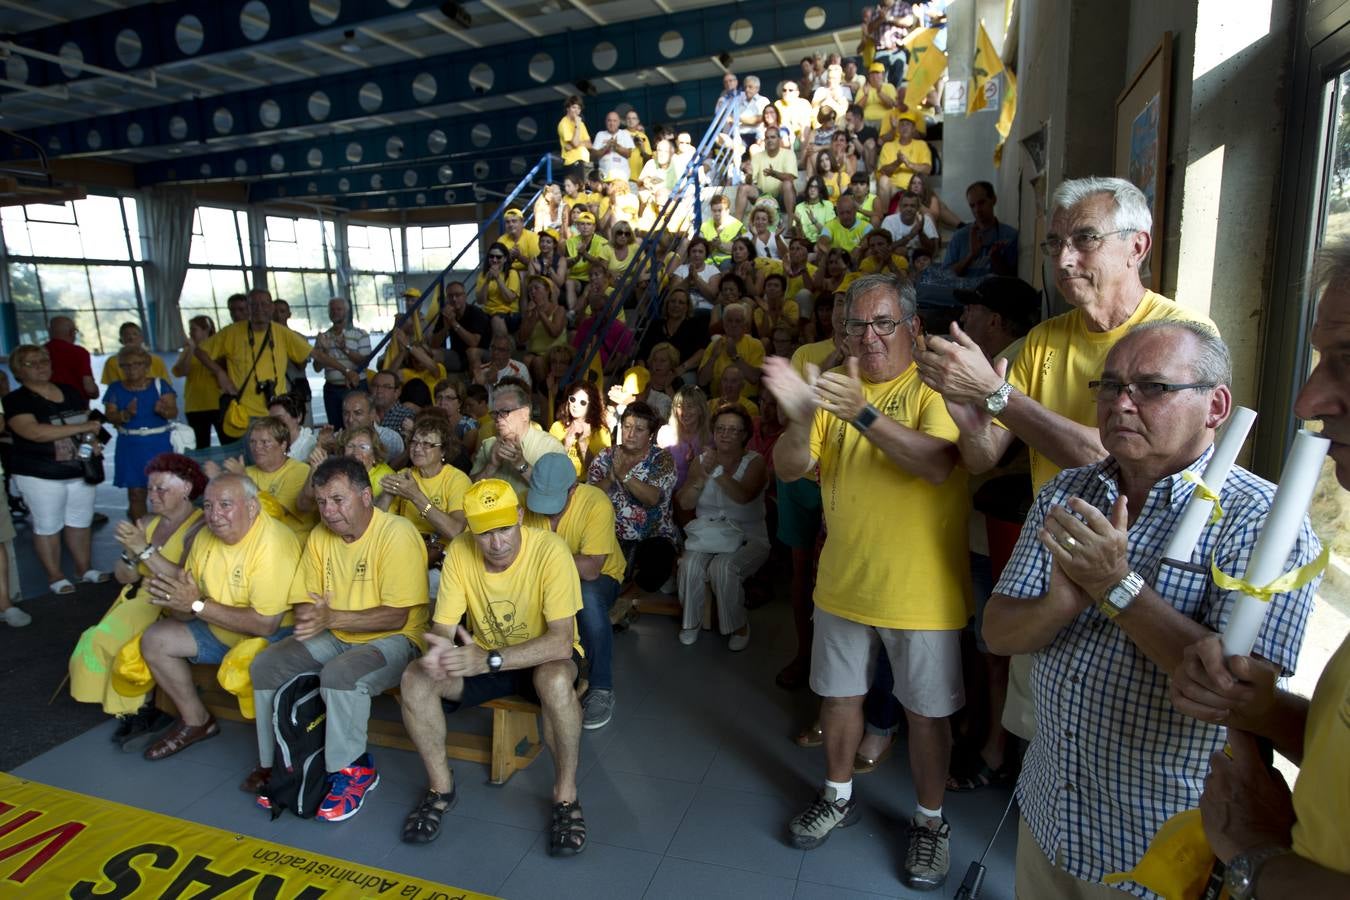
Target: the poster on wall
pixel 1142 111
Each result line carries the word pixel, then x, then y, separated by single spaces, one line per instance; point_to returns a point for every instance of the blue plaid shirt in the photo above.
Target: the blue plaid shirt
pixel 1112 759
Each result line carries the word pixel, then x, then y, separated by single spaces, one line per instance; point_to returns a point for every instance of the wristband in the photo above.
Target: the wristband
pixel 128 560
pixel 144 555
pixel 865 418
pixel 426 509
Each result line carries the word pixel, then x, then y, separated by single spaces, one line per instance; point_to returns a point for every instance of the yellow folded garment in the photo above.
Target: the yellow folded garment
pixel 130 673
pixel 233 673
pixel 1178 861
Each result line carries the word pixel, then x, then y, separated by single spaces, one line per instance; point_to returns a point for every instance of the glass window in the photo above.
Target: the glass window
pixel 432 248
pixel 215 240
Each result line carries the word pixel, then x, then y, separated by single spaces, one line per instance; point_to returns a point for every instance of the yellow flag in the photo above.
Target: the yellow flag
pixel 926 65
pixel 986 66
pixel 1007 112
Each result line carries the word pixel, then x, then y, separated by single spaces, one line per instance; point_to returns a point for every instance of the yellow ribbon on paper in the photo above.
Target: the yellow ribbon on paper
pixel 1205 492
pixel 1289 581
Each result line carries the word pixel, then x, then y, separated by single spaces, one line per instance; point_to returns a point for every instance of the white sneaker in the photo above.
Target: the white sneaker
pixel 688 636
pixel 15 617
pixel 738 642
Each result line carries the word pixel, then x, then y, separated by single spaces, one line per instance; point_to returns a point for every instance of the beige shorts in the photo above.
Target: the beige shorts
pixel 926 664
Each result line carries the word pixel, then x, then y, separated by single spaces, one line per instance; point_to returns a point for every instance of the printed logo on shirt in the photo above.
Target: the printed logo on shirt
pixel 237 579
pixel 1048 365
pixel 362 572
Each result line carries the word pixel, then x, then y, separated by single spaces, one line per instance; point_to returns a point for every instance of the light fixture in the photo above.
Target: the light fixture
pixel 349 44
pixel 726 59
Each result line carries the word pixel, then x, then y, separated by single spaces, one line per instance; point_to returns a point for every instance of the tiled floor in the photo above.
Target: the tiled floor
pixel 687 793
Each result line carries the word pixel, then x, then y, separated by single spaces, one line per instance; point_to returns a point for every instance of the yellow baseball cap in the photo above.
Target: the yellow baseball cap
pixel 513 213
pixel 877 67
pixel 412 292
pixel 489 504
pixel 584 217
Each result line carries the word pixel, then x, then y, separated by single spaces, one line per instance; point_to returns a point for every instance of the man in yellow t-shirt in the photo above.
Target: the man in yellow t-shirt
pixel 360 601
pixel 523 245
pixel 720 229
pixel 1098 238
pixel 901 158
pixel 520 590
pixel 574 141
pixel 582 515
pixel 230 355
pixel 1284 846
pixel 845 231
pixel 223 593
pixel 884 443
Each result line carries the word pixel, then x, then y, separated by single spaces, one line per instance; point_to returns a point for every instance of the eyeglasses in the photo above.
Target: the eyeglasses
pixel 1108 390
pixel 728 429
pixel 503 413
pixel 583 400
pixel 883 327
pixel 418 442
pixel 362 448
pixel 618 231
pixel 495 256
pixel 1081 241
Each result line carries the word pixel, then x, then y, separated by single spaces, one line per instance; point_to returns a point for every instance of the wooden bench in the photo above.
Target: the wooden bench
pixel 512 745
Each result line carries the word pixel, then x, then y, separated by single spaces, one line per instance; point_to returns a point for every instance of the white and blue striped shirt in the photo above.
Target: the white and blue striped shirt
pixel 1112 759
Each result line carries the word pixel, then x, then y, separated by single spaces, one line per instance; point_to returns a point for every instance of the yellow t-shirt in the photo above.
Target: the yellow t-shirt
pixel 514 606
pixel 916 151
pixel 750 350
pixel 642 151
pixel 598 441
pixel 566 131
pixel 233 346
pixel 873 110
pixel 200 391
pixel 1322 792
pixel 845 238
pixel 790 316
pixel 785 162
pixel 528 245
pixel 285 486
pixel 836 184
pixel 587 527
pixel 927 585
pixel 797 283
pixel 445 490
pixel 385 566
pixel 245 574
pixel 581 269
pixel 870 265
pixel 491 298
pixel 730 230
pixel 1061 356
pixel 376 475
pixel 113 372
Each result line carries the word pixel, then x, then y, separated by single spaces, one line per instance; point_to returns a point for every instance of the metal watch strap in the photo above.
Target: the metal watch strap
pixel 1245 869
pixel 1122 594
pixel 997 401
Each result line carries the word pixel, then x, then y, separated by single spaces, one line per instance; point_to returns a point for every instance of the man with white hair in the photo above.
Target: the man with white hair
pixel 1098 239
pixel 611 149
pixel 751 112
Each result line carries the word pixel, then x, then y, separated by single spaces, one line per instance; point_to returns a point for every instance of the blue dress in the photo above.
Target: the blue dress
pixel 134 451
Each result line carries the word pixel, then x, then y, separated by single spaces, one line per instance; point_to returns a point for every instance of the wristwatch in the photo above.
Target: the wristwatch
pixel 996 402
pixel 522 467
pixel 494 661
pixel 866 416
pixel 1241 874
pixel 1121 595
pixel 144 555
pixel 197 606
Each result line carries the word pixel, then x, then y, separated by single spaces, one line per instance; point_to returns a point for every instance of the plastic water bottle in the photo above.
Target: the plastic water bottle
pixel 86 450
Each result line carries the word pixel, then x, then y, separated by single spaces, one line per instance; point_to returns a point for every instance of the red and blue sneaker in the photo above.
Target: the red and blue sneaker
pixel 347 790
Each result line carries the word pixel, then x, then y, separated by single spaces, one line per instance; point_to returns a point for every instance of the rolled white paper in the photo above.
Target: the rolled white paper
pixel 1193 521
pixel 1276 541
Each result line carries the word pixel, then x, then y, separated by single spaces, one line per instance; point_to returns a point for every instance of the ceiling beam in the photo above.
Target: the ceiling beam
pixel 446 78
pixel 156 24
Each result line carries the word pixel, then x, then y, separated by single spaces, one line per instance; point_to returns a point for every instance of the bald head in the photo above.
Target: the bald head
pixel 62 328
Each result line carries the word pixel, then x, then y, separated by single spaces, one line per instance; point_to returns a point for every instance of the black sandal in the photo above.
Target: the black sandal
pixel 567 833
pixel 423 824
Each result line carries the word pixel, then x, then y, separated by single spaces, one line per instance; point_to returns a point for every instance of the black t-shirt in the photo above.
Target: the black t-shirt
pixel 46 459
pixel 868 133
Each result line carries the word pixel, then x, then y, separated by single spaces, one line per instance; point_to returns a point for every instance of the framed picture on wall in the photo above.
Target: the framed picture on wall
pixel 1142 112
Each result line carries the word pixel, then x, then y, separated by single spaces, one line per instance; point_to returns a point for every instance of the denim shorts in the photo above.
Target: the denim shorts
pixel 211 649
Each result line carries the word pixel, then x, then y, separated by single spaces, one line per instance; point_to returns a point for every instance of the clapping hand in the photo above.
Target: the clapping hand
pixel 312 618
pixel 176 592
pixel 796 396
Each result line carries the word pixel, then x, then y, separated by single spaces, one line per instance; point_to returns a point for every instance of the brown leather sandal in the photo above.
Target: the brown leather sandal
pixel 180 737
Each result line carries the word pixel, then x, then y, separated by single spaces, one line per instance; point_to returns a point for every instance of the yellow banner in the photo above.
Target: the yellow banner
pixel 56 843
pixel 926 65
pixel 987 65
pixel 1007 112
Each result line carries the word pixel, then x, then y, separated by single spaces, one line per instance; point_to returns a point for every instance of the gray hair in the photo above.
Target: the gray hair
pixel 1211 362
pixel 1131 213
pixel 1332 265
pixel 127 353
pixel 906 298
pixel 751 79
pixel 522 398
pixel 245 484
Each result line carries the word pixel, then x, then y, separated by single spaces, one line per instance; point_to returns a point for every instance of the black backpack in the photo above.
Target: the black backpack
pixel 299 780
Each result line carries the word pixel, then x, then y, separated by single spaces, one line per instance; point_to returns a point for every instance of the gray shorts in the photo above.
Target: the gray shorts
pixel 926 664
